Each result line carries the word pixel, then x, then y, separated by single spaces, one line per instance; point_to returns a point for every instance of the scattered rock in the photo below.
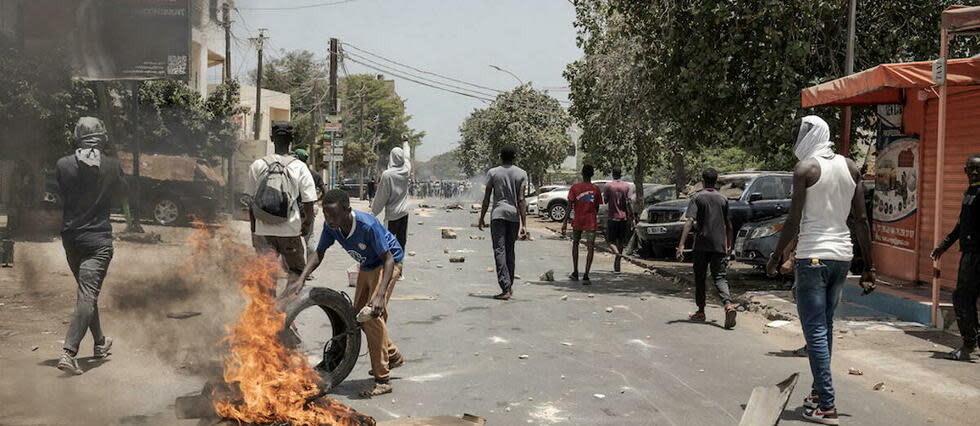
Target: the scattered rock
pixel 523 356
pixel 448 234
pixel 565 297
pixel 507 409
pixel 563 377
pixel 424 206
pixel 474 225
pixel 643 299
pixel 183 315
pixel 445 251
pixel 517 277
pixel 701 371
pixel 740 308
pixel 567 344
pixel 454 206
pixel 489 269
pixel 547 276
pixel 34 348
pixel 476 207
pixel 421 223
pixel 411 253
pixel 457 259
pixel 854 372
pixel 609 309
pixel 439 266
pixel 477 237
pixel 530 398
pixel 878 386
pixel 777 323
pixel 591 296
pixel 598 395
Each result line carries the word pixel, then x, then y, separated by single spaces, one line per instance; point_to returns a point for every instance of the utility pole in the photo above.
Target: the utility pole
pixel 226 22
pixel 845 148
pixel 332 106
pixel 259 44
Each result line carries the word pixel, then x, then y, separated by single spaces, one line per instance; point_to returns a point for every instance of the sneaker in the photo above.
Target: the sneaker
pixel 801 352
pixel 812 402
pixel 69 364
pixel 503 296
pixel 378 388
pixel 586 280
pixel 697 316
pixel 826 416
pixel 730 315
pixel 102 351
pixel 961 354
pixel 573 276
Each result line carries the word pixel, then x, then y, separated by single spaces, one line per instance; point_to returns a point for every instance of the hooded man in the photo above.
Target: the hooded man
pixel 826 190
pixel 88 182
pixel 392 196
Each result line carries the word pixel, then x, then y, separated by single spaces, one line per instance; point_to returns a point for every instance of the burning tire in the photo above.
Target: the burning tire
pixel 341 351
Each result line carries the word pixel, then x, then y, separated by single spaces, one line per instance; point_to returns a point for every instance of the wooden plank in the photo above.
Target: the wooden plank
pixel 766 404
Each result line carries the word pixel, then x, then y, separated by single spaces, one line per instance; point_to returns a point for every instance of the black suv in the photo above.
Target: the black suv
pixel 752 196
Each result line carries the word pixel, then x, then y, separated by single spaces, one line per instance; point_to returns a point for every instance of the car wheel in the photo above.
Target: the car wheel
pixel 166 211
pixel 341 351
pixel 557 212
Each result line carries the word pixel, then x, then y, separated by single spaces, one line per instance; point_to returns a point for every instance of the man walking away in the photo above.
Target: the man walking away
pixel 967 232
pixel 304 156
pixel 505 184
pixel 585 198
pixel 708 212
pixel 380 258
pixel 89 182
pixel 282 186
pixel 372 187
pixel 392 197
pixel 619 196
pixel 826 190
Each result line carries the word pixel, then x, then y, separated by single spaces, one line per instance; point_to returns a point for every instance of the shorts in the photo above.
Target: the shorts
pixel 588 235
pixel 618 232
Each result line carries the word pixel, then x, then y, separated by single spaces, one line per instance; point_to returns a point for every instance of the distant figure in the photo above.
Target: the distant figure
pixel 712 242
pixel 827 189
pixel 392 197
pixel 89 182
pixel 619 196
pixel 505 184
pixel 283 194
pixel 584 198
pixel 371 188
pixel 967 232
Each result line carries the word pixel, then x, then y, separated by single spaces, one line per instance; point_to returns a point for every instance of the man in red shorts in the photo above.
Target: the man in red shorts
pixel 585 198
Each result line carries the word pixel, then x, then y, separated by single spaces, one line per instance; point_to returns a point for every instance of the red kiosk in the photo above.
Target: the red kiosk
pixel 928 129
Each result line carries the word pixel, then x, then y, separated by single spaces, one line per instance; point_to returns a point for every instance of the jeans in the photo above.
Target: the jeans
pixel 819 284
pixel 89 266
pixel 965 297
pixel 718 262
pixel 503 235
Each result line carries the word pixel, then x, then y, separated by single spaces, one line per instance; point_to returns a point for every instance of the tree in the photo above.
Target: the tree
pixel 298 74
pixel 528 119
pixel 442 166
pixel 374 121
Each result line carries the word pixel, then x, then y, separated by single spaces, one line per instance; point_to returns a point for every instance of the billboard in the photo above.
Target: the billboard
pixel 113 39
pixel 896 197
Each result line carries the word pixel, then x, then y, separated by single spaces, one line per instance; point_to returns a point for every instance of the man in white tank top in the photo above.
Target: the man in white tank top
pixel 826 190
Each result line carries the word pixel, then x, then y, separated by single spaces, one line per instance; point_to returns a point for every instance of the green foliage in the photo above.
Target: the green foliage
pixel 442 166
pixel 298 74
pixel 374 121
pixel 526 118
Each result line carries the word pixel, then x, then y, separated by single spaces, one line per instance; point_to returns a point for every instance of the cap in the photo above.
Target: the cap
pixel 301 154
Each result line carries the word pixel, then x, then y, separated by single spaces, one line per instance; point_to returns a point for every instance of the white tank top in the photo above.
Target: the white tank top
pixel 823 230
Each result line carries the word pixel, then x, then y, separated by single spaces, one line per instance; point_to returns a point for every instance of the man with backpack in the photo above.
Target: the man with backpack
pixel 283 195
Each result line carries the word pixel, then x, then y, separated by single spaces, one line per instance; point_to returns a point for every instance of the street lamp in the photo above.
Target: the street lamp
pixel 502 69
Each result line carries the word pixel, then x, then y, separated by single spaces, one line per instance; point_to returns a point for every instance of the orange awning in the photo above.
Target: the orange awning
pixel 961 18
pixel 884 83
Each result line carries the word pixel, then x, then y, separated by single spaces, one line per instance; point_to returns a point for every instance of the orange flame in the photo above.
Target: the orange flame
pixel 274 383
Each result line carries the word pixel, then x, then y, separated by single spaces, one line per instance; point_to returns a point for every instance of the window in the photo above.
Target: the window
pixel 772 188
pixel 667 194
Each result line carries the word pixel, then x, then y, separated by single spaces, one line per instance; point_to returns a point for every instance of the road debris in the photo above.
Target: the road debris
pixel 424 206
pixel 609 309
pixel 777 323
pixel 522 356
pixel 421 223
pixel 411 253
pixel 517 277
pixel 590 296
pixel 182 315
pixel 439 266
pixel 445 250
pixel 489 269
pixel 567 344
pixel 140 238
pixel 477 237
pixel 547 276
pixel 448 234
pixel 35 348
pixel 878 386
pixel 564 297
pixel 598 395
pixel 457 259
pixel 854 372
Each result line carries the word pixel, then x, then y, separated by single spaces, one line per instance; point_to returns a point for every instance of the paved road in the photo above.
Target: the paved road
pixel 642 363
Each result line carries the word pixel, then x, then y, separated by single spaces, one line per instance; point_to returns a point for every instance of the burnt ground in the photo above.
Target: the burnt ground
pixel 642 363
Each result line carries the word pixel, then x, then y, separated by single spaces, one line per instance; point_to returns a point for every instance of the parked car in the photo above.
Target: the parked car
pixel 532 200
pixel 752 196
pixel 352 186
pixel 555 203
pixel 175 188
pixel 652 194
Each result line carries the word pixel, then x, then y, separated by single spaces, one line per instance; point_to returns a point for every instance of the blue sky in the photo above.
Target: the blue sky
pixel 457 38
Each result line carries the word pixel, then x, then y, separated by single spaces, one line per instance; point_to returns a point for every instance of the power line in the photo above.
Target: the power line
pixel 362 58
pixel 420 70
pixel 308 6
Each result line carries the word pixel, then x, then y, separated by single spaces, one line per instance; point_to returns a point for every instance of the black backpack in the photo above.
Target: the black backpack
pixel 272 203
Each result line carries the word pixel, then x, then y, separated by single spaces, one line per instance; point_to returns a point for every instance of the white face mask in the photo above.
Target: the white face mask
pixel 814 139
pixel 89 156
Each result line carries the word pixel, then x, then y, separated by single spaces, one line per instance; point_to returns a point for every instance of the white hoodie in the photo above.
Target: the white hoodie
pixel 392 196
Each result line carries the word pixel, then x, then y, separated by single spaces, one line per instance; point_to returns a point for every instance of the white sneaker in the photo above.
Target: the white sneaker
pixel 102 351
pixel 69 364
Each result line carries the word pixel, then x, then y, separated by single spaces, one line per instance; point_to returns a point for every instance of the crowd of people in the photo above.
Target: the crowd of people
pixel 439 189
pixel 815 245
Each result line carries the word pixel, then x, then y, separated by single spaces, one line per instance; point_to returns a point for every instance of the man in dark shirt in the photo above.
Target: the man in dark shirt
pixel 708 211
pixel 88 182
pixel 967 231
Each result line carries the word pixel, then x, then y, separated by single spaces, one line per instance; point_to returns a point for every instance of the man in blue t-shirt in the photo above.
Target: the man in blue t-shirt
pixel 380 258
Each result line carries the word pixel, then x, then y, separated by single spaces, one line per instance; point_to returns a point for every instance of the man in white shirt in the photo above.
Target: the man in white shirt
pixel 282 235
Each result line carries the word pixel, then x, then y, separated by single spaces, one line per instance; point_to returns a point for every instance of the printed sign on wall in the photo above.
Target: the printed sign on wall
pixel 896 197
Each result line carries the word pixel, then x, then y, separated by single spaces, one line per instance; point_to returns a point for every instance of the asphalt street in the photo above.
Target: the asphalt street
pixel 555 354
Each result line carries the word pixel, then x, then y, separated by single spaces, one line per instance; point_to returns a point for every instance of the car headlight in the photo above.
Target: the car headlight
pixel 766 231
pixel 645 216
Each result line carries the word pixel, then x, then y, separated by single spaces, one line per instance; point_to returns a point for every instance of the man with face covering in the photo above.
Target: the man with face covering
pixel 826 190
pixel 88 183
pixel 392 196
pixel 967 232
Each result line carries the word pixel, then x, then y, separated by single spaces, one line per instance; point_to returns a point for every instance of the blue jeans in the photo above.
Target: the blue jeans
pixel 819 284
